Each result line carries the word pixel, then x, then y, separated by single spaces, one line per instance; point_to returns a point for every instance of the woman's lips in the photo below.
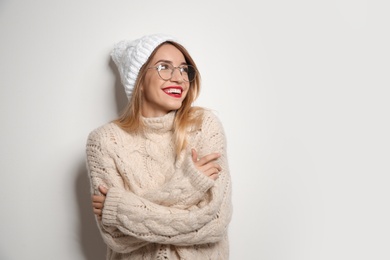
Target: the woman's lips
pixel 173 91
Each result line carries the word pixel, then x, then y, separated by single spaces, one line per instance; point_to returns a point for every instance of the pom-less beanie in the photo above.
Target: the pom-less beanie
pixel 130 56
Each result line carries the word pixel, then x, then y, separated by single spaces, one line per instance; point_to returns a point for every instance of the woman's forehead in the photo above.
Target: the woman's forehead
pixel 168 52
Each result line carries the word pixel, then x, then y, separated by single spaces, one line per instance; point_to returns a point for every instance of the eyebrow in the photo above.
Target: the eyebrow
pixel 170 62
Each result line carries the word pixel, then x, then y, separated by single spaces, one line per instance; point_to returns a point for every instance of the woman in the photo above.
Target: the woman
pixel 159 173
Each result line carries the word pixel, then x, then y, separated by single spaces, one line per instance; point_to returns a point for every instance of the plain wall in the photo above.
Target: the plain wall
pixel 302 88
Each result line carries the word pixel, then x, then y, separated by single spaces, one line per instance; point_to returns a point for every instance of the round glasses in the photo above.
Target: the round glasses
pixel 165 71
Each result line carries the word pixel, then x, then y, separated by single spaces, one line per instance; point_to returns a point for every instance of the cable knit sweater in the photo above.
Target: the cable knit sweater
pixel 160 206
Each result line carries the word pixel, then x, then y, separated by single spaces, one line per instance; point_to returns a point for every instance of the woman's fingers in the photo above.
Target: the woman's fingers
pixel 98 202
pixel 97 212
pixel 103 190
pixel 97 209
pixel 98 198
pixel 211 167
pixel 208 158
pixel 213 173
pixel 97 205
pixel 207 164
pixel 194 156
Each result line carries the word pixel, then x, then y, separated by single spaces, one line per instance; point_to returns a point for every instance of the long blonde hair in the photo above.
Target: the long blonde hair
pixel 186 117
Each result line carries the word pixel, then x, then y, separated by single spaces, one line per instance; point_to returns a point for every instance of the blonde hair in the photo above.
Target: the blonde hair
pixel 187 116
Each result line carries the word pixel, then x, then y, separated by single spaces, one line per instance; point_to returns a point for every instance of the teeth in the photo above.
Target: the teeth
pixel 173 91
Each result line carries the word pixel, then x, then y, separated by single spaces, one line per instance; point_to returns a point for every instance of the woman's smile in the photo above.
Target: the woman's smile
pixel 174 91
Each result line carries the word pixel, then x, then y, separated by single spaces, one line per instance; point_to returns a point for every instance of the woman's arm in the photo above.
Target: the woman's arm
pixel 102 172
pixel 138 217
pixel 191 188
pixel 189 184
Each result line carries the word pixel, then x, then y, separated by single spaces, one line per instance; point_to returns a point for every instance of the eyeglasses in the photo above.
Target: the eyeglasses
pixel 165 71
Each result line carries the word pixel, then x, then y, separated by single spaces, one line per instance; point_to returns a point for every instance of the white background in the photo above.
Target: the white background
pixel 302 88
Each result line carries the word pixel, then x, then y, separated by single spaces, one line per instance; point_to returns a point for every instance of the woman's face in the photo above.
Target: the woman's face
pixel 162 96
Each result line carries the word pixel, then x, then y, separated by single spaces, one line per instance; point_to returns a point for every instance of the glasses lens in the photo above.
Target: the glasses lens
pixel 188 72
pixel 165 71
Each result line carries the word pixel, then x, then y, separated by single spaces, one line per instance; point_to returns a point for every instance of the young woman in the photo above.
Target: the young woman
pixel 159 173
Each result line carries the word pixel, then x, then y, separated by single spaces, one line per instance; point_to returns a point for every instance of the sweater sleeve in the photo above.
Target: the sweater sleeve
pixel 102 171
pixel 140 218
pixel 185 189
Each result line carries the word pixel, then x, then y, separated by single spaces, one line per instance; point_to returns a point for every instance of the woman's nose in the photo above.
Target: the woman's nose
pixel 176 75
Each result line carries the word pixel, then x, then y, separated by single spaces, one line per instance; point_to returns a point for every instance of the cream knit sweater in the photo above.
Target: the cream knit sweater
pixel 159 206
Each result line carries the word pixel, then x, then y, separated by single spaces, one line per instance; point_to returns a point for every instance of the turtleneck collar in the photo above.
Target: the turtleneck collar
pixel 159 124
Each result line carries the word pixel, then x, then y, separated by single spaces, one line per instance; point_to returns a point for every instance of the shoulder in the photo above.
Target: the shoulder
pixel 205 116
pixel 210 130
pixel 211 122
pixel 105 134
pixel 211 135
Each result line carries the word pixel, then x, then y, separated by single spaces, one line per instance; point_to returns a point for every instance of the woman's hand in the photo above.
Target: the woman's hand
pixel 98 202
pixel 207 164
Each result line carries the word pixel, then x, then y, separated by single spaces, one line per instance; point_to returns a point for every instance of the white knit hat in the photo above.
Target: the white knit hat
pixel 129 56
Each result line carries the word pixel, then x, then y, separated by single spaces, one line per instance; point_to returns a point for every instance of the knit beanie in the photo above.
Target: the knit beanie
pixel 130 56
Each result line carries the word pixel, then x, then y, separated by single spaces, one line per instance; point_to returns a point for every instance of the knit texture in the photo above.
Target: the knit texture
pixel 160 206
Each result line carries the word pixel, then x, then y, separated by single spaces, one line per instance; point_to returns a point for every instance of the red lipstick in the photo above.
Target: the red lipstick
pixel 173 91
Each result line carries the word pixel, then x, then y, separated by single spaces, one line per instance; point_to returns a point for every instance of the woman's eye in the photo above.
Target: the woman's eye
pixel 163 67
pixel 184 69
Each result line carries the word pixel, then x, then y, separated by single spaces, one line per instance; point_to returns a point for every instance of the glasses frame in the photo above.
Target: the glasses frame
pixel 180 68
